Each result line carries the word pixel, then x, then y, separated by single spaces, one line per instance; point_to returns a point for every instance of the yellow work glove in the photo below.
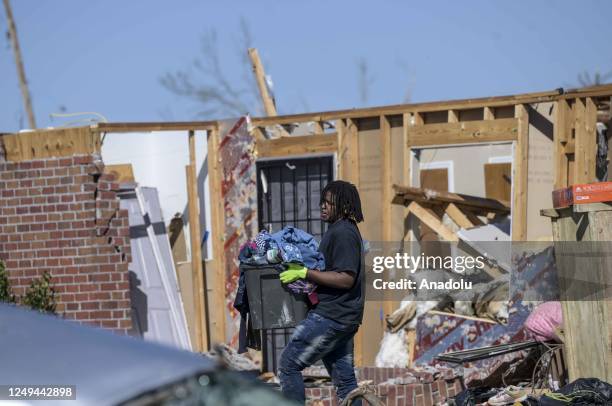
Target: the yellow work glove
pixel 293 273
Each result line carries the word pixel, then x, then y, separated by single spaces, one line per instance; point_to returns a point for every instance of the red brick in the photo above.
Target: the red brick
pixel 127 324
pixel 90 305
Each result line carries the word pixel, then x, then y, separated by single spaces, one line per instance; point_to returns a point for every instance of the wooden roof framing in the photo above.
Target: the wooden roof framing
pixel 489 102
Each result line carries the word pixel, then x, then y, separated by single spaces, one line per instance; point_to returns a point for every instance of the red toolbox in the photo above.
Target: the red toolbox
pixel 581 194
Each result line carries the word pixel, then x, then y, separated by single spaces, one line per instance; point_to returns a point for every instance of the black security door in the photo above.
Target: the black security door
pixel 289 192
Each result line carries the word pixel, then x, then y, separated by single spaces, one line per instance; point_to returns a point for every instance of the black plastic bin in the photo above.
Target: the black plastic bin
pixel 271 304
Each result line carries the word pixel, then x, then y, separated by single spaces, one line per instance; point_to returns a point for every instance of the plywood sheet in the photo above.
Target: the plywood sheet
pixel 183 271
pixel 540 179
pixel 498 181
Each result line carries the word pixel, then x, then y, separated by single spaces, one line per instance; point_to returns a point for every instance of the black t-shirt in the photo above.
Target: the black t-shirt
pixel 341 246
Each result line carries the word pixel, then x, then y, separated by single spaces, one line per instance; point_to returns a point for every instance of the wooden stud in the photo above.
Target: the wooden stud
pixel 216 279
pixel 352 154
pixel 260 78
pixel 385 179
pixel 458 216
pixel 432 221
pixel 586 141
pixel 318 127
pixel 342 149
pixel 453 116
pixel 407 158
pixel 411 341
pixel 520 173
pixel 197 271
pixel 488 113
pixel 349 147
pixel 560 137
pixel 387 195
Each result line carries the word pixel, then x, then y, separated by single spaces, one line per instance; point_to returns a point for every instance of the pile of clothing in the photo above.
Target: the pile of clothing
pixel 288 246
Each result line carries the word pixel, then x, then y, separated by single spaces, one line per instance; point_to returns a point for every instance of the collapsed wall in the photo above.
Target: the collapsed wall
pixel 61 215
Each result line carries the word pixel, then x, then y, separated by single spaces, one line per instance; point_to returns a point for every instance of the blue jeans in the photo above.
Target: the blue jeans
pixel 318 338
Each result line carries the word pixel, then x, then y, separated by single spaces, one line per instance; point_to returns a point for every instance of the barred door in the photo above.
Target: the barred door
pixel 288 194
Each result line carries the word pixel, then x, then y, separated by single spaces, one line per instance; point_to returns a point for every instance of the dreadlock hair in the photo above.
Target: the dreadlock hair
pixel 345 197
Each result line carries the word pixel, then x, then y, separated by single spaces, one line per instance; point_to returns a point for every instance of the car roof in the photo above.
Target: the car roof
pixel 105 367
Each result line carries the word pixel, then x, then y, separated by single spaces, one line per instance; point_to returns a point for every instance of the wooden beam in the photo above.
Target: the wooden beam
pixel 41 144
pixel 432 221
pixel 342 149
pixel 404 194
pixel 499 101
pixel 197 271
pixel 385 177
pixel 453 116
pixel 348 147
pixel 23 83
pixel 488 113
pixel 458 216
pixel 520 172
pixel 260 78
pixel 504 129
pixel 411 341
pixel 474 219
pixel 352 132
pixel 297 145
pixel 160 126
pixel 586 141
pixel 215 280
pixel 123 172
pixel 387 195
pixel 560 136
pixel 408 121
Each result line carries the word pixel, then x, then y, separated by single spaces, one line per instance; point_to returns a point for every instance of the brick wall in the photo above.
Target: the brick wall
pixel 398 387
pixel 62 215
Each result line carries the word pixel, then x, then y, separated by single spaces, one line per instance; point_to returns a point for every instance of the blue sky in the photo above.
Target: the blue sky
pixel 108 55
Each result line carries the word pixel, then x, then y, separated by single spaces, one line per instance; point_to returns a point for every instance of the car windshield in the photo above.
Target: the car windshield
pixel 218 388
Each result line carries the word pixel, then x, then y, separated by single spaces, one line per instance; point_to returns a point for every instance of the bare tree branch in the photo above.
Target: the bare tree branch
pixel 210 86
pixel 365 80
